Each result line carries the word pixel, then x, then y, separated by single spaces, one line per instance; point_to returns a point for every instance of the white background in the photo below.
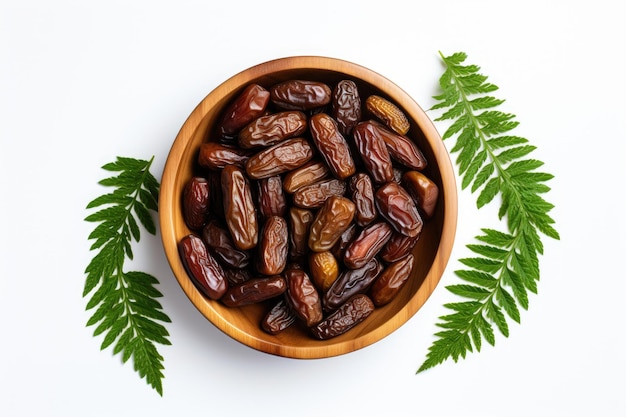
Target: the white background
pixel 83 82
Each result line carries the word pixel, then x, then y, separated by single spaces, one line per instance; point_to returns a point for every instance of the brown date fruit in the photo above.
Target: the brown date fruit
pixel 391 280
pixel 398 247
pixel 280 158
pixel 388 113
pixel 324 269
pixel 216 156
pixel 278 318
pixel 254 291
pixel 273 246
pixel 398 208
pixel 362 194
pixel 351 282
pixel 272 128
pixel 299 224
pixel 332 145
pixel 302 297
pixel 196 202
pixel 331 220
pixel 423 190
pixel 271 197
pixel 401 148
pixel 219 242
pixel 248 105
pixel 346 106
pixel 314 195
pixel 308 173
pixel 239 209
pixel 204 270
pixel 339 248
pixel 374 152
pixel 236 276
pixel 354 311
pixel 300 94
pixel 366 245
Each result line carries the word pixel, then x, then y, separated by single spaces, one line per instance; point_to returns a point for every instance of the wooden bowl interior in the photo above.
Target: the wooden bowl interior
pixel 432 250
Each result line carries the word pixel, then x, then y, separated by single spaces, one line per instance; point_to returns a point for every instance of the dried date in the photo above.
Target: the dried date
pixel 362 194
pixel 349 283
pixel 299 224
pixel 196 202
pixel 218 240
pixel 280 158
pixel 398 247
pixel 354 311
pixel 374 152
pixel 401 148
pixel 314 195
pixel 300 94
pixel 278 318
pixel 398 208
pixel 309 173
pixel 272 128
pixel 216 156
pixel 254 291
pixel 205 272
pixel 423 190
pixel 324 269
pixel 388 113
pixel 272 201
pixel 248 105
pixel 391 281
pixel 331 220
pixel 273 246
pixel 332 145
pixel 366 245
pixel 239 209
pixel 302 297
pixel 346 106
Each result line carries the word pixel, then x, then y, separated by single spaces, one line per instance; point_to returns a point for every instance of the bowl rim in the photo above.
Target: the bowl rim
pixel 172 169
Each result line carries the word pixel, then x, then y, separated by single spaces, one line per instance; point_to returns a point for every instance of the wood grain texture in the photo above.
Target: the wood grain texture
pixel 431 252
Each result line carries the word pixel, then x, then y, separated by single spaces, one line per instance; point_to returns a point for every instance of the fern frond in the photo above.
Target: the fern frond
pixel 126 312
pixel 493 163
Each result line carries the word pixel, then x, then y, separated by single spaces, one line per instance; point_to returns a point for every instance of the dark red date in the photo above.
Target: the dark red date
pixel 215 156
pixel 272 128
pixel 362 193
pixel 391 281
pixel 273 246
pixel 349 283
pixel 366 245
pixel 314 195
pixel 254 291
pixel 346 106
pixel 248 105
pixel 271 197
pixel 300 94
pixel 398 208
pixel 302 297
pixel 374 152
pixel 196 202
pixel 219 242
pixel 205 272
pixel 278 318
pixel 354 311
pixel 332 145
pixel 280 158
pixel 239 208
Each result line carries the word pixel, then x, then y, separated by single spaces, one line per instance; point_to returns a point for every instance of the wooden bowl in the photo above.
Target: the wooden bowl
pixel 431 253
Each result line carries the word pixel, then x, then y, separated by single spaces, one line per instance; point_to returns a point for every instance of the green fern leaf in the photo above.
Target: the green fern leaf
pixel 124 304
pixel 494 288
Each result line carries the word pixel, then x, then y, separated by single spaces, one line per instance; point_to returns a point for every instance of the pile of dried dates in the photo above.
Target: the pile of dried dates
pixel 310 199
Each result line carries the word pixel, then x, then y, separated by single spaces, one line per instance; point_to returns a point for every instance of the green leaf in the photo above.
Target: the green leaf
pixel 496 283
pixel 126 310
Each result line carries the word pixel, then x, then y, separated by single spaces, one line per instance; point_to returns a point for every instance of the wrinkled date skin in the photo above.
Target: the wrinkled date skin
pixel 309 173
pixel 215 156
pixel 346 106
pixel 300 94
pixel 273 246
pixel 362 193
pixel 278 318
pixel 314 195
pixel 280 158
pixel 351 282
pixel 271 197
pixel 423 190
pixel 331 220
pixel 398 208
pixel 339 248
pixel 218 240
pixel 254 291
pixel 374 152
pixel 196 202
pixel 348 315
pixel 248 105
pixel 299 224
pixel 236 276
pixel 302 297
pixel 401 148
pixel 239 208
pixel 388 113
pixel 391 280
pixel 272 128
pixel 205 272
pixel 366 245
pixel 332 145
pixel 324 269
pixel 398 247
